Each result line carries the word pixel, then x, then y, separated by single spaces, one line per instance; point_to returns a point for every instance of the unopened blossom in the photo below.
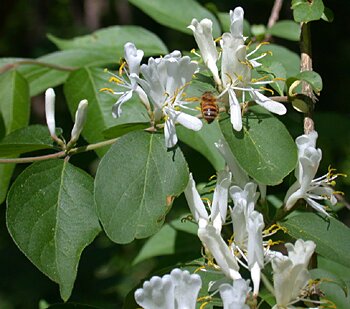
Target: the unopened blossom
pixel 80 119
pixel 178 290
pixel 133 57
pixel 202 32
pixel 234 296
pixel 209 227
pixel 50 111
pixel 290 274
pixel 306 186
pixel 164 80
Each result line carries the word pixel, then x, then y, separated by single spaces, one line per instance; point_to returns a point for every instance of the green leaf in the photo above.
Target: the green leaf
pixel 86 84
pixel 176 14
pixel 203 141
pixel 305 10
pixel 174 238
pixel 51 217
pixel 14 111
pixel 71 306
pixel 313 78
pixel 285 29
pixel 332 237
pixel 121 129
pixel 111 40
pixel 277 70
pixel 135 184
pixel 290 60
pixel 264 147
pixel 31 138
pixel 328 15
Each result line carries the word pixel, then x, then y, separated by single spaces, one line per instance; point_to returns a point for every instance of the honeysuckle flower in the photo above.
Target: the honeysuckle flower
pixel 178 290
pixel 239 176
pixel 222 254
pixel 306 186
pixel 248 225
pixel 234 296
pixel 50 111
pixel 290 274
pixel 133 59
pixel 209 227
pixel 202 32
pixel 80 118
pixel 164 80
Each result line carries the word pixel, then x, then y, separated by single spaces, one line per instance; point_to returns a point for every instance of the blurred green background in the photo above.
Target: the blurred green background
pixel 105 273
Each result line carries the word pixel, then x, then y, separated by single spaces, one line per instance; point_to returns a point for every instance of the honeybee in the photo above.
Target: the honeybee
pixel 209 106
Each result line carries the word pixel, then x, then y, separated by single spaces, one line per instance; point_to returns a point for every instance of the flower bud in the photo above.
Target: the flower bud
pixel 80 118
pixel 50 111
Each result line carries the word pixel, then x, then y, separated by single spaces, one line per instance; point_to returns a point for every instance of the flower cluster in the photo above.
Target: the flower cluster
pixel 160 89
pixel 236 67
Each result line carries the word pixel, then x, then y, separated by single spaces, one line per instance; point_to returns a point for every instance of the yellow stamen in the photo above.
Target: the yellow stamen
pixel 218 39
pixel 274 228
pixel 107 89
pixel 212 177
pixel 114 79
pixel 122 67
pixel 267 89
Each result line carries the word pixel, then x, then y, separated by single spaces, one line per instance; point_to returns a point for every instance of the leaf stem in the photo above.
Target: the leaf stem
pixel 59 154
pixel 10 66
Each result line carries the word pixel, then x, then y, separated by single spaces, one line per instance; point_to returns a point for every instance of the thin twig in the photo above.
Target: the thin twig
pixel 274 16
pixel 59 154
pixel 10 66
pixel 306 65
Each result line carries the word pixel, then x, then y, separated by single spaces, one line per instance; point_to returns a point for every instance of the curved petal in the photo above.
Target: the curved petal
pixel 234 296
pixel 170 134
pixel 270 105
pixel 235 111
pixel 117 107
pixel 188 121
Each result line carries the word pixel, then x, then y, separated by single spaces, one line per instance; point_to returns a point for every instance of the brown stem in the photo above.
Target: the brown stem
pixel 274 16
pixel 306 65
pixel 10 66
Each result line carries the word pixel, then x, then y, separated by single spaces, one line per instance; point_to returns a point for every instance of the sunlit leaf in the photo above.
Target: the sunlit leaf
pixel 285 29
pixel 305 10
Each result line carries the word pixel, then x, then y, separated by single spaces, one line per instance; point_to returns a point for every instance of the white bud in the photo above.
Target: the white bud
pixel 80 118
pixel 50 111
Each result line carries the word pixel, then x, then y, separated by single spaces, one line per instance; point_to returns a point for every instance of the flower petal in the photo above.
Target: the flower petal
pixel 170 133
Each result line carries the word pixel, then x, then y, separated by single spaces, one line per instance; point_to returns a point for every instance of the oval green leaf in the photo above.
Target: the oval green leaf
pixel 176 14
pixel 312 78
pixel 14 111
pixel 51 217
pixel 332 237
pixel 135 185
pixel 285 29
pixel 112 39
pixel 305 10
pixel 264 147
pixel 31 138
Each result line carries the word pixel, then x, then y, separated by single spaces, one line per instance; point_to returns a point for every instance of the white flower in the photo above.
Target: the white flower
pixel 202 32
pixel 248 226
pixel 308 187
pixel 50 111
pixel 236 72
pixel 290 274
pixel 209 227
pixel 80 118
pixel 164 80
pixel 179 290
pixel 133 59
pixel 234 296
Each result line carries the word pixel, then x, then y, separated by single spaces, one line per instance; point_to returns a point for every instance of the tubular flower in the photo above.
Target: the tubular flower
pixel 178 290
pixel 306 186
pixel 133 59
pixel 209 227
pixel 202 32
pixel 290 274
pixel 248 225
pixel 50 111
pixel 234 296
pixel 164 80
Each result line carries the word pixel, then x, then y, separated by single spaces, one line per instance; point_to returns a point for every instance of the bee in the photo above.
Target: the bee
pixel 209 106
